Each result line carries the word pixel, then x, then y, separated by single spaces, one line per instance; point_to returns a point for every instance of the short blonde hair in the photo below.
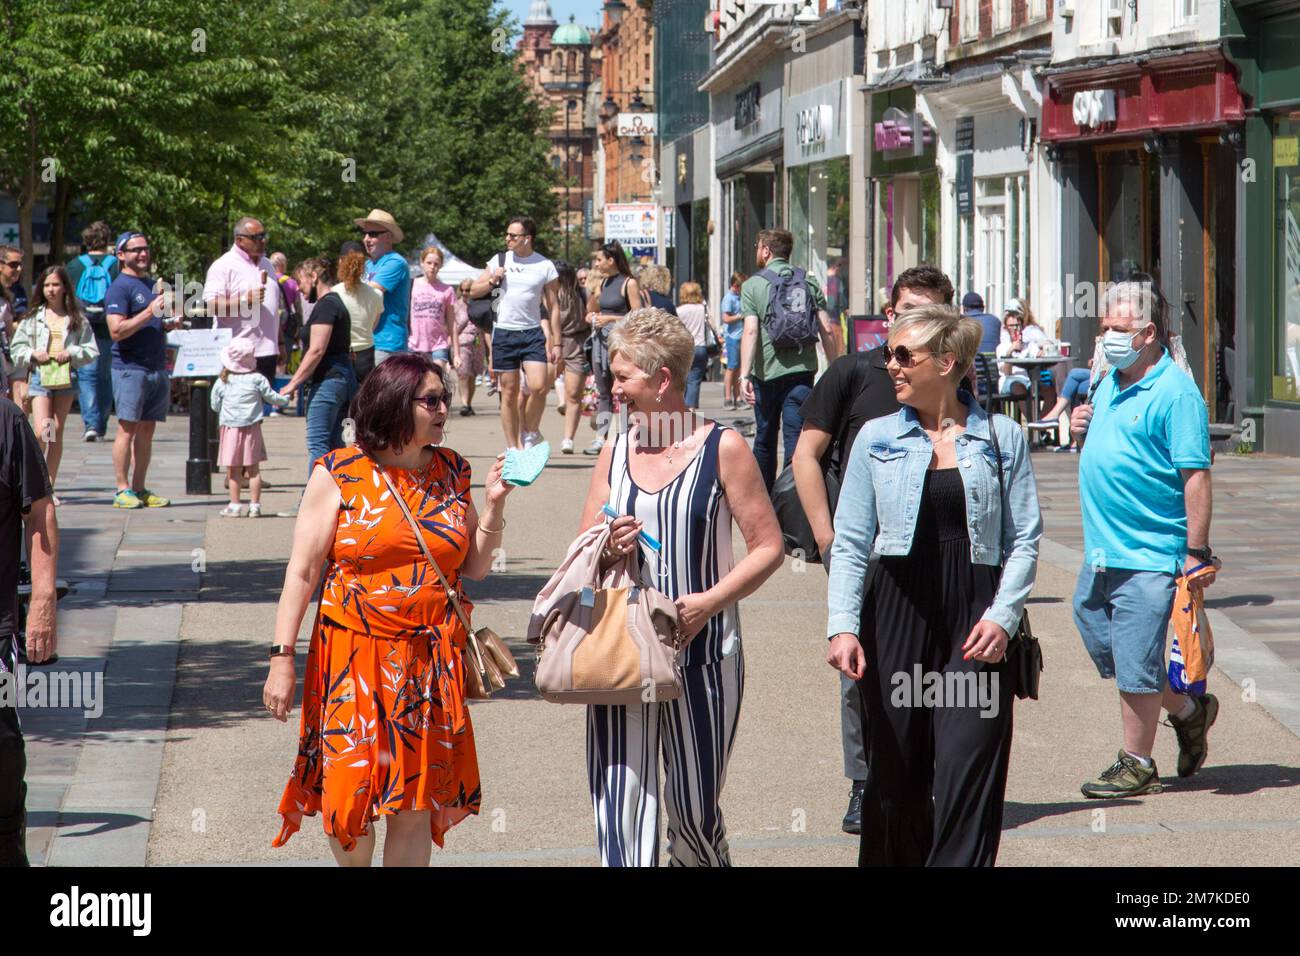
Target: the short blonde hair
pixel 941 329
pixel 690 293
pixel 655 279
pixel 651 339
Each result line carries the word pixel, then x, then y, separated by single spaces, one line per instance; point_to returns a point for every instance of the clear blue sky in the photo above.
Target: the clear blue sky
pixel 587 11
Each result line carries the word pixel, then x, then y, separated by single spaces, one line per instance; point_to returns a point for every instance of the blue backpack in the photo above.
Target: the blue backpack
pixel 791 319
pixel 93 285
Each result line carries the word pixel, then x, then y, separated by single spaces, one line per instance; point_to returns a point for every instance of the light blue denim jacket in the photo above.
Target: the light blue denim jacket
pixel 881 497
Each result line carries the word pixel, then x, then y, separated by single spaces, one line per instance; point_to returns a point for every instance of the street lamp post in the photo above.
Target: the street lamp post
pixel 569 107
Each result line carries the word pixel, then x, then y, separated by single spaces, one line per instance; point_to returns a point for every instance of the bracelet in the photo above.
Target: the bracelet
pixel 486 530
pixel 282 650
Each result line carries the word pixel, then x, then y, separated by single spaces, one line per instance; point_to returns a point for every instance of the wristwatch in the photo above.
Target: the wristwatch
pixel 1202 554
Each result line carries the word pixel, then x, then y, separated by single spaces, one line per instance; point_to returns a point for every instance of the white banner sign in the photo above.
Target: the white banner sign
pixel 200 352
pixel 638 124
pixel 632 224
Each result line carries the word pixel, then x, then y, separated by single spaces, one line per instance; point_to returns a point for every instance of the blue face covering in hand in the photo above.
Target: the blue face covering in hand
pixel 524 465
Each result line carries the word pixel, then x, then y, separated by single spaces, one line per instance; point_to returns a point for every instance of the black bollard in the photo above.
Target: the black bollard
pixel 198 468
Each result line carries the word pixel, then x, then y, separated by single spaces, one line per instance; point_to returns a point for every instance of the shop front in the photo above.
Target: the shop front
pixel 904 189
pixel 748 142
pixel 686 178
pixel 1266 49
pixel 821 216
pixel 1146 158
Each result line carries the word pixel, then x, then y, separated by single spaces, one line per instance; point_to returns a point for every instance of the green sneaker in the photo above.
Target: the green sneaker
pixel 1126 777
pixel 126 498
pixel 153 501
pixel 1193 746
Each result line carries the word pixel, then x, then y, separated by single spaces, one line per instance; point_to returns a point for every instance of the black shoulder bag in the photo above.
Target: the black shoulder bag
pixel 1023 652
pixel 483 310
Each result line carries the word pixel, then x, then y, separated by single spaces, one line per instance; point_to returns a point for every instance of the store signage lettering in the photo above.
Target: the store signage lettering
pixel 748 102
pixel 632 224
pixel 899 130
pixel 1286 151
pixel 638 124
pixel 965 165
pixel 1091 108
pixel 812 126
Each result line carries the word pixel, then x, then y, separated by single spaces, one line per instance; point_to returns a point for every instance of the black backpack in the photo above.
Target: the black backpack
pixel 791 319
pixel 483 310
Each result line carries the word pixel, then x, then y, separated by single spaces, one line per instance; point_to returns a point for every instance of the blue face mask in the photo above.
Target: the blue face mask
pixel 1118 348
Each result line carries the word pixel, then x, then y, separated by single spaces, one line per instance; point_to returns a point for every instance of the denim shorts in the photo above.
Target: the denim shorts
pixel 733 352
pixel 36 390
pixel 440 355
pixel 1123 618
pixel 512 347
pixel 141 395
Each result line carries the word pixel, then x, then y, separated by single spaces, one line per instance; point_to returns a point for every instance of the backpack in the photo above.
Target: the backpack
pixel 483 310
pixel 791 319
pixel 93 285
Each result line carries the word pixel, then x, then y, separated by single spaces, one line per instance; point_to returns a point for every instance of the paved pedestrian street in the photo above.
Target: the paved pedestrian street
pixel 176 606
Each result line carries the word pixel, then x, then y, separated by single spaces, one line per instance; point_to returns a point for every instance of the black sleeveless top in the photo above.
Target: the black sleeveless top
pixel 613 296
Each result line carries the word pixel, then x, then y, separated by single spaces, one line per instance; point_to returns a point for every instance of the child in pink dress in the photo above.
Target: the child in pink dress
pixel 433 320
pixel 237 398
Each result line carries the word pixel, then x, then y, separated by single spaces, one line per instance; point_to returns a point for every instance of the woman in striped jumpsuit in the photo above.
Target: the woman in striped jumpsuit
pixel 680 479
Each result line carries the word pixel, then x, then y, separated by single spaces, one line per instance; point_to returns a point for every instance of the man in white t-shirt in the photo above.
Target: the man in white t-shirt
pixel 521 341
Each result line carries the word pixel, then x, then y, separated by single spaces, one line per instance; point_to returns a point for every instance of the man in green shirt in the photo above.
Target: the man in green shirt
pixel 777 380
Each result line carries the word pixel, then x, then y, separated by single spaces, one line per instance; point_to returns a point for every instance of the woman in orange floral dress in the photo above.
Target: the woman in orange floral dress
pixel 385 726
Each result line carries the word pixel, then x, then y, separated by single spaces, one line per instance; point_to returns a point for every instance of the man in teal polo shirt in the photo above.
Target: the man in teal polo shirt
pixel 1144 484
pixel 777 380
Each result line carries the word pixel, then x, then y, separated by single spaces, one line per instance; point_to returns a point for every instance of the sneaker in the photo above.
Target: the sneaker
pixel 594 448
pixel 853 817
pixel 566 447
pixel 290 513
pixel 1192 732
pixel 151 500
pixel 1126 777
pixel 90 435
pixel 126 498
pixel 255 510
pixel 1066 450
pixel 231 511
pixel 466 411
pixel 532 439
pixel 1045 423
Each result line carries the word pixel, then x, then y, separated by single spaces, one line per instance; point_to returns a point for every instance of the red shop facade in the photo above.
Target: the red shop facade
pixel 1148 157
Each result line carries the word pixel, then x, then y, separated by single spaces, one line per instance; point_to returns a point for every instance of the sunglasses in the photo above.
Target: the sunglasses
pixel 253 236
pixel 905 357
pixel 515 235
pixel 16 264
pixel 137 249
pixel 374 233
pixel 432 401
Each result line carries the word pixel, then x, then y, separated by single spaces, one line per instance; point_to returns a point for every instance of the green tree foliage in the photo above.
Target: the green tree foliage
pixel 176 118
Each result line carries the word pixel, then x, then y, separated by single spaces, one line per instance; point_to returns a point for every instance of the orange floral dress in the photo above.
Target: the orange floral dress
pixel 385 726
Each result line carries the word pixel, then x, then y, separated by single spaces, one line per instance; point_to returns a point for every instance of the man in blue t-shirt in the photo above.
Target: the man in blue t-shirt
pixel 134 310
pixel 1144 486
pixel 388 272
pixel 972 306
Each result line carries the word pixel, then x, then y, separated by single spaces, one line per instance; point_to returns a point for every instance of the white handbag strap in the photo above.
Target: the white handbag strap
pixel 424 548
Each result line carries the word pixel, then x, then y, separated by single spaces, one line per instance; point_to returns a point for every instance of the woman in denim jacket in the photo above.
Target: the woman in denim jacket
pixel 925 633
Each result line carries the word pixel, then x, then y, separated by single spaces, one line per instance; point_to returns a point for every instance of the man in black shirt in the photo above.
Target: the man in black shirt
pixel 855 389
pixel 26 498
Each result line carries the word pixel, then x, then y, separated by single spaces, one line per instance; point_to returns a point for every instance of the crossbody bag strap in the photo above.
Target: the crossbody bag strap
pixel 424 548
pixel 1002 491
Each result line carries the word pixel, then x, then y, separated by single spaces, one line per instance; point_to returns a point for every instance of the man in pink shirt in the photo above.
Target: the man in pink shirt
pixel 242 294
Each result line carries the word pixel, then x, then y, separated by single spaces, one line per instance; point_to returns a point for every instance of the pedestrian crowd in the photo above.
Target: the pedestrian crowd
pixel 889 467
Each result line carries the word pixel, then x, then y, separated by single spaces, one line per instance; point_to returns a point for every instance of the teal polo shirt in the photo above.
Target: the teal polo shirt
pixel 1130 485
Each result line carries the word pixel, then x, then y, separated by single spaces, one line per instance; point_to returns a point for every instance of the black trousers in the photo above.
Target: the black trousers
pixel 937 729
pixel 13 766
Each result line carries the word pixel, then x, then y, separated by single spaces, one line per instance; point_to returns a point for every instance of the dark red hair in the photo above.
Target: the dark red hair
pixel 382 409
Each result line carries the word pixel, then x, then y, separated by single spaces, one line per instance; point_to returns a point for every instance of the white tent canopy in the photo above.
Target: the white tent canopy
pixel 454 268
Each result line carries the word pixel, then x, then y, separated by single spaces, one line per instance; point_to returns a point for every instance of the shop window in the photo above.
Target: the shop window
pixel 1113 24
pixel 1286 372
pixel 991 236
pixel 1038 9
pixel 1185 12
pixel 819 220
pixel 1128 201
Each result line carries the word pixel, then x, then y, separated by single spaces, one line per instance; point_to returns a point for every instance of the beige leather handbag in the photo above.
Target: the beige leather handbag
pixel 488 662
pixel 604 638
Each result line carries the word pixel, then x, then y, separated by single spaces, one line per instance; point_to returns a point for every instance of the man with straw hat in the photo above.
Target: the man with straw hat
pixel 388 272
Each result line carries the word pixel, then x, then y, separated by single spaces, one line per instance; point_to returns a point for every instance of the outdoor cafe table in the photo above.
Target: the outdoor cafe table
pixel 1033 366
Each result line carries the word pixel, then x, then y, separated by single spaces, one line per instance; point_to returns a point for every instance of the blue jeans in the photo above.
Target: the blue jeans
pixel 95 386
pixel 327 406
pixel 1076 385
pixel 776 408
pixel 699 365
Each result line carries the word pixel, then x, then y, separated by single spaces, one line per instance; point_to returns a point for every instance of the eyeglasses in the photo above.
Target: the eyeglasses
pixel 137 249
pixel 515 235
pixel 432 401
pixel 253 236
pixel 905 357
pixel 374 233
